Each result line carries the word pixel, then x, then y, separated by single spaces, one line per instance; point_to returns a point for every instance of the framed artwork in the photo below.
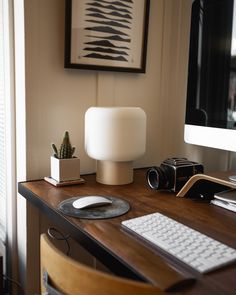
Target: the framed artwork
pixel 109 35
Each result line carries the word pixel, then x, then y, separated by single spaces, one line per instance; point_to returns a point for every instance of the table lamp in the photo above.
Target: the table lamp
pixel 115 136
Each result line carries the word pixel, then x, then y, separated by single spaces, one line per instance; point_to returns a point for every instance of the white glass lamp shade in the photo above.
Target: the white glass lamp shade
pixel 115 136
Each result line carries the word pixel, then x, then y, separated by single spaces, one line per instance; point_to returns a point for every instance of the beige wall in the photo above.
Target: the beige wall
pixel 56 99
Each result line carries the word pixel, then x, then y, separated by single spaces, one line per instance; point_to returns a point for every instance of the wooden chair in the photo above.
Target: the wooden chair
pixel 63 275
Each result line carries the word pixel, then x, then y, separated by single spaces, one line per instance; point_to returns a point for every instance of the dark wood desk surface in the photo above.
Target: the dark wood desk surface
pixel 129 256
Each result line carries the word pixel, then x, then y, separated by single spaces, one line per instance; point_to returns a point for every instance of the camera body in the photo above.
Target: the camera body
pixel 172 174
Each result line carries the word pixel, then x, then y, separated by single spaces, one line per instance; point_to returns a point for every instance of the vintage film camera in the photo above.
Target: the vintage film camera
pixel 172 174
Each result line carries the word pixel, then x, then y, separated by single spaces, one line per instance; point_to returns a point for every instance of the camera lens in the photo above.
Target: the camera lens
pixel 156 178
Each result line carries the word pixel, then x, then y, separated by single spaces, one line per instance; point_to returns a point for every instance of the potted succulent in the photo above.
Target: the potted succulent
pixel 65 166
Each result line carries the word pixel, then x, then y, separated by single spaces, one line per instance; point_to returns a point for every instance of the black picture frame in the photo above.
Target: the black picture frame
pixel 109 35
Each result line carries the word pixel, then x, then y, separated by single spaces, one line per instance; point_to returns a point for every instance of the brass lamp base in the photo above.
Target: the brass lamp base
pixel 114 173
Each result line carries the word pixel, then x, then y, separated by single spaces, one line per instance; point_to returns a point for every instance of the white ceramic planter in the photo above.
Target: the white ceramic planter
pixel 65 169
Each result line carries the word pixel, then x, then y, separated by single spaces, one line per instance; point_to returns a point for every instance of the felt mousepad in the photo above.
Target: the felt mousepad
pixel 116 208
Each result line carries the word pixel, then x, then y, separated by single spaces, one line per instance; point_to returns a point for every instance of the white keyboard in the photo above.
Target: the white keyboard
pixel 184 243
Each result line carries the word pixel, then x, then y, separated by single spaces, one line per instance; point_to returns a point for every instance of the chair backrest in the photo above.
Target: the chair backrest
pixel 70 277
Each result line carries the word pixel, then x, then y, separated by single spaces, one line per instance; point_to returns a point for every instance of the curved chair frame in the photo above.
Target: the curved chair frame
pixel 63 275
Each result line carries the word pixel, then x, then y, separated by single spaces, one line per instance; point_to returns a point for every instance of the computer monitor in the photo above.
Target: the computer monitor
pixel 211 93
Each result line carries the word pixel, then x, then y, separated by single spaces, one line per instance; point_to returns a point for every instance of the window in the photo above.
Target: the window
pixel 7 129
pixel 3 170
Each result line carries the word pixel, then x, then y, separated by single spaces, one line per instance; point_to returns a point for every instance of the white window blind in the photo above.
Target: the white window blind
pixel 3 170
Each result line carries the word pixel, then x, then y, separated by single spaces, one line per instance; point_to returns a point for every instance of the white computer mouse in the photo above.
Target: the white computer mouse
pixel 91 201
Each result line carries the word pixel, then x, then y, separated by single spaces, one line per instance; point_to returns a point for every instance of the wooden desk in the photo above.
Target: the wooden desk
pixel 127 255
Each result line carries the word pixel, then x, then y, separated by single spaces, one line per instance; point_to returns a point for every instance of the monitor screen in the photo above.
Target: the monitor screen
pixel 211 93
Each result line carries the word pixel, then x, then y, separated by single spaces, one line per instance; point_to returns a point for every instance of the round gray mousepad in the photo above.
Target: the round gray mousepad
pixel 116 208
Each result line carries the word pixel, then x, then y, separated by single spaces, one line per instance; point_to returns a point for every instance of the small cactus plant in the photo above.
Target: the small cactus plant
pixel 66 150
